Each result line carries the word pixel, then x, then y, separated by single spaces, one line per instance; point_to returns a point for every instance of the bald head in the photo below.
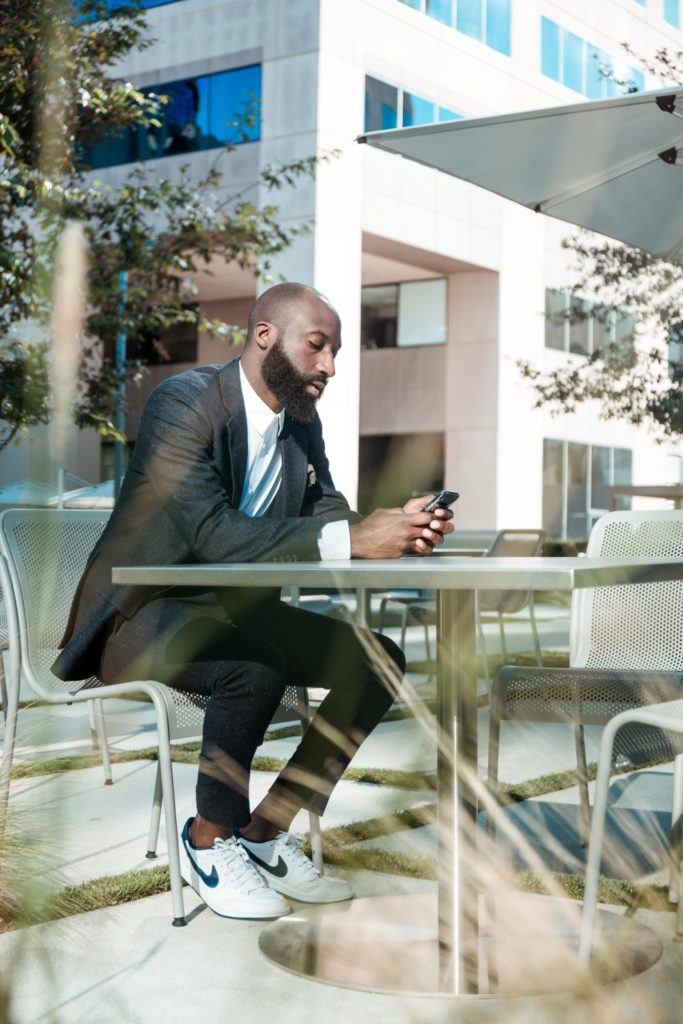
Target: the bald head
pixel 281 303
pixel 293 337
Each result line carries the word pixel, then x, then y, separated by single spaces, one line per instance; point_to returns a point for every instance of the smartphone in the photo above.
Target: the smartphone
pixel 441 500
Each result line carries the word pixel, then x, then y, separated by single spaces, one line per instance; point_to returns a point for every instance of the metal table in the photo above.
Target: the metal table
pixel 455 580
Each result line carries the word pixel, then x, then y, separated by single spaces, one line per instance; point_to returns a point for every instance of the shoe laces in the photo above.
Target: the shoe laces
pixel 235 859
pixel 294 842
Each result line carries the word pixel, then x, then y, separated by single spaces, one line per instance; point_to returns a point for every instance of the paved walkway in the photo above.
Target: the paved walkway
pixel 128 964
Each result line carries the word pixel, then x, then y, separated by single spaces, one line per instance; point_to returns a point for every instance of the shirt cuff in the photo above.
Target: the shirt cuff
pixel 335 540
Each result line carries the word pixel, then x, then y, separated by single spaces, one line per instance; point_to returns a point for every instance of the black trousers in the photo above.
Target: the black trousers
pixel 243 659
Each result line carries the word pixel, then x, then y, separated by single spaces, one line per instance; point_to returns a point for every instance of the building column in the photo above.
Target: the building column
pixel 471 405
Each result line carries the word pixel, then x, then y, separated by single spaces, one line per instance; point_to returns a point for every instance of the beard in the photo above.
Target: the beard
pixel 289 385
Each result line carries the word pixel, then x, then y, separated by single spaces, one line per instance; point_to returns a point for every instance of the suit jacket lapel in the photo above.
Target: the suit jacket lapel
pixel 235 428
pixel 293 446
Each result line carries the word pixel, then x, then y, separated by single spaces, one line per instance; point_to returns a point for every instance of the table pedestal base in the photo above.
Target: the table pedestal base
pixel 527 946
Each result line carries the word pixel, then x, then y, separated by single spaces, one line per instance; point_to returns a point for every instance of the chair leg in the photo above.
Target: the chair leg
pixel 493 758
pixel 97 717
pixel 404 626
pixel 534 631
pixel 382 613
pixel 582 782
pixel 11 703
pixel 484 653
pixel 597 835
pixel 171 820
pixel 676 835
pixel 428 646
pixel 154 821
pixel 3 686
pixel 501 632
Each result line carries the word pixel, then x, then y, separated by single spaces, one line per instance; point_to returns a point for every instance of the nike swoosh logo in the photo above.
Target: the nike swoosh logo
pixel 210 880
pixel 279 869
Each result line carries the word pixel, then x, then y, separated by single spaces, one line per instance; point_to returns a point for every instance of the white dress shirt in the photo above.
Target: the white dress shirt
pixel 264 470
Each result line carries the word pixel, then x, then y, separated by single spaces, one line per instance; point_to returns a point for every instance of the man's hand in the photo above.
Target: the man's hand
pixel 392 532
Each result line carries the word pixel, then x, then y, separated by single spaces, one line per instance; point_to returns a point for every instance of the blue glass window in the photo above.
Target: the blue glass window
pixel 381 105
pixel 199 115
pixel 672 12
pixel 383 101
pixel 470 15
pixel 417 110
pixel 498 25
pixel 596 83
pixel 113 5
pixel 550 49
pixel 637 80
pixel 572 63
pixel 444 114
pixel 569 59
pixel 442 10
pixel 485 20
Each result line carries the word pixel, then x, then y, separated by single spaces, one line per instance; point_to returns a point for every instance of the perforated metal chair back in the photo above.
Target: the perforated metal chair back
pixel 47 550
pixel 46 553
pixel 635 627
pixel 4 631
pixel 510 544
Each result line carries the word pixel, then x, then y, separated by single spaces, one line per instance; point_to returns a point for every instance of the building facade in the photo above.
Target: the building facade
pixel 442 287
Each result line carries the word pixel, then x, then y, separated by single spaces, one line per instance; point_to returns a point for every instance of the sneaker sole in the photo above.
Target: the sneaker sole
pixel 296 894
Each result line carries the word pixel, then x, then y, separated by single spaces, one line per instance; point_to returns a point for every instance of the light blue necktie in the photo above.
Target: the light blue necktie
pixel 263 478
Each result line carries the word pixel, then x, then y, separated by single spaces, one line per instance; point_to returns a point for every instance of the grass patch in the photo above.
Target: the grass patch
pixel 181 753
pixel 108 891
pixel 374 776
pixel 389 824
pixel 382 861
pixel 612 891
pixel 517 792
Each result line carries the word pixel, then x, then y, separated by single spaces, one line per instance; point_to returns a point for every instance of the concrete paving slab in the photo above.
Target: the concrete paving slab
pixel 127 964
pixel 89 830
pixel 527 749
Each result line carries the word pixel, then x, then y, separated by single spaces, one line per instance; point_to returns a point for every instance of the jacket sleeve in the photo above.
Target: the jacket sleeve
pixel 176 454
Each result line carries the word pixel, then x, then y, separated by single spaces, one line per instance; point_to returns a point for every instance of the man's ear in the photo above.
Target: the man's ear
pixel 265 335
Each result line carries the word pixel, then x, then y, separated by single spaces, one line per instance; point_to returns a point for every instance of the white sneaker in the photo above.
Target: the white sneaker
pixel 286 868
pixel 227 880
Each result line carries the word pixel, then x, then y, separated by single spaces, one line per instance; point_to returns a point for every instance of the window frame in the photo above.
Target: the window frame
pixel 592 512
pixel 484 14
pixel 589 53
pixel 401 90
pixel 417 345
pixel 571 298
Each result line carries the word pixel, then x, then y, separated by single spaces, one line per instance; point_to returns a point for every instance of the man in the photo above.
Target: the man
pixel 230 465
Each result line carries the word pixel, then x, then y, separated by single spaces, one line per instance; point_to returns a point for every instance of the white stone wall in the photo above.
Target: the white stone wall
pixel 376 218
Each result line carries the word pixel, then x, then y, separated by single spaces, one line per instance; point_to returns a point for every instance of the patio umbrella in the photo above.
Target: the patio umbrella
pixel 614 166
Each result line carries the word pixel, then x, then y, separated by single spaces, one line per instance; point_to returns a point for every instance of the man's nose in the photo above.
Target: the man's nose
pixel 326 363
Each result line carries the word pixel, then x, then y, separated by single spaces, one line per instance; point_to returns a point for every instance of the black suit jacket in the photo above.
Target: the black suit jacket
pixel 180 498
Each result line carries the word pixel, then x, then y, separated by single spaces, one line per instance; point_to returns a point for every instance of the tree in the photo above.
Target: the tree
pixel 57 100
pixel 643 383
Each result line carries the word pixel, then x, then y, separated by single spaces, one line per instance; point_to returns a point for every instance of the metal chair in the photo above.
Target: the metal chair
pixel 4 646
pixel 43 554
pixel 421 610
pixel 625 651
pixel 667 717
